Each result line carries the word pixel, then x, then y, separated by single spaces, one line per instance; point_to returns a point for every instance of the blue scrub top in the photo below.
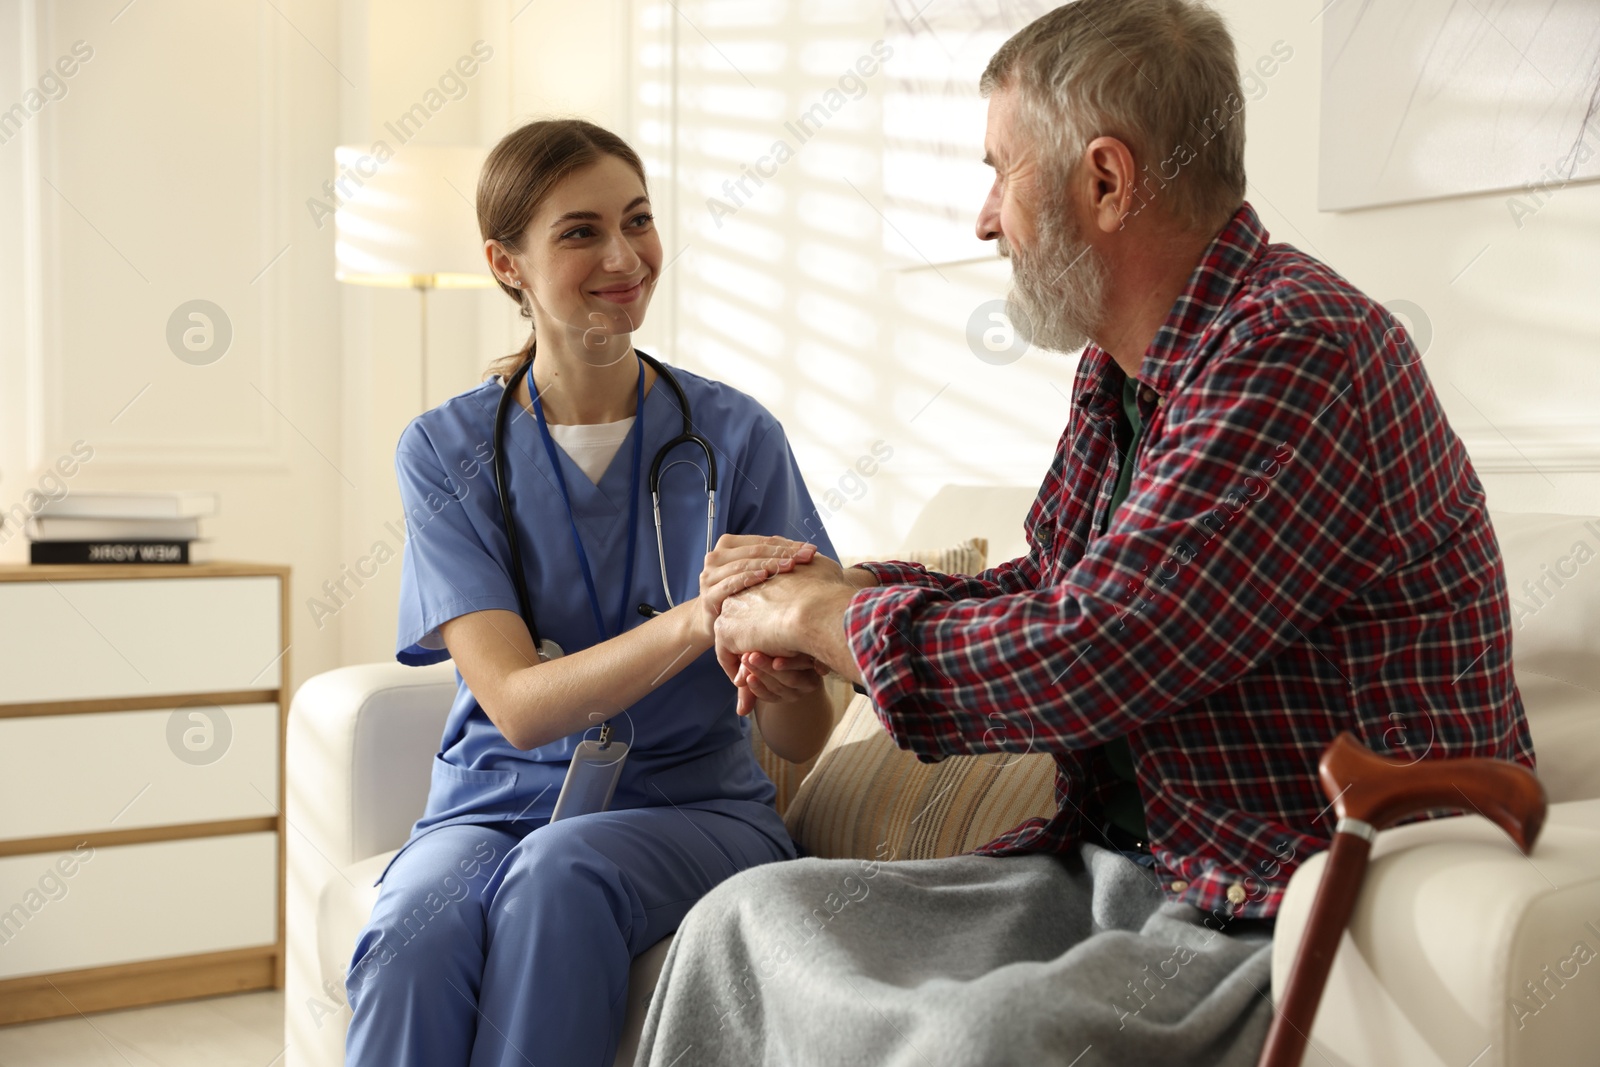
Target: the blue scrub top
pixel 688 745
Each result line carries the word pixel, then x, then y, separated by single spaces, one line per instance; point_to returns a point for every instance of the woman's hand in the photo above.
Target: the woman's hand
pixel 738 562
pixel 777 679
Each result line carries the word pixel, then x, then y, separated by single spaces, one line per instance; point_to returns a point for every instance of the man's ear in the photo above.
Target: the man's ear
pixel 1111 180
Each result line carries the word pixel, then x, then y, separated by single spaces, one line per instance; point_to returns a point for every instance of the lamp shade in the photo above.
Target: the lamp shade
pixel 408 220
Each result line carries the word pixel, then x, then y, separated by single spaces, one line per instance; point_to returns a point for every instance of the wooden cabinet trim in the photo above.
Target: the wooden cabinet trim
pixel 138 835
pixel 88 572
pixel 127 985
pixel 141 703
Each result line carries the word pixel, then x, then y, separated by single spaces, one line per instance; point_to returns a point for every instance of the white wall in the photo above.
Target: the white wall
pixel 179 162
pixel 786 298
pixel 547 59
pixel 1515 311
pixel 172 169
pixel 395 53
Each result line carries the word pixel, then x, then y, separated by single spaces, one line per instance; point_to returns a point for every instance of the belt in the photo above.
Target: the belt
pixel 1122 840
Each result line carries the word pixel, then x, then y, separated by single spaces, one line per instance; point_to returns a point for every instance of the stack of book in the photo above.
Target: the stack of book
pixel 87 526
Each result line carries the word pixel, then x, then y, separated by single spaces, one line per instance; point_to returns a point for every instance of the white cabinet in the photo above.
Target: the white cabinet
pixel 120 638
pixel 116 770
pixel 142 714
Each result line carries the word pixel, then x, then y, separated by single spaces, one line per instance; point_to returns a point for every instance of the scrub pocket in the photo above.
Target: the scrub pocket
pixel 456 791
pixel 457 794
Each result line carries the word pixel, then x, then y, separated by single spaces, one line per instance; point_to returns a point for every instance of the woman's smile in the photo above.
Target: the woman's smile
pixel 621 292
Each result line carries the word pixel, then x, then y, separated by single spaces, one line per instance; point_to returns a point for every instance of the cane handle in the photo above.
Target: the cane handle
pixel 1378 791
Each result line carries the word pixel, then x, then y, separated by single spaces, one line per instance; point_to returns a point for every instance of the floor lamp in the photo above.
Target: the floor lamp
pixel 407 220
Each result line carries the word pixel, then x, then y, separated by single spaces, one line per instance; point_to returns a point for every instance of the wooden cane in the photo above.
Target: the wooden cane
pixel 1371 793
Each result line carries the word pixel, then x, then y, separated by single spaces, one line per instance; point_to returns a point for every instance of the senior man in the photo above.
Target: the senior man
pixel 1258 530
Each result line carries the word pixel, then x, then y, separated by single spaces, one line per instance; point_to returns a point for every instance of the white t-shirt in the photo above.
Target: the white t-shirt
pixel 592 446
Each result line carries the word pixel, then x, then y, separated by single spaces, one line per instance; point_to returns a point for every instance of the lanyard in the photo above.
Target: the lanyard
pixel 637 433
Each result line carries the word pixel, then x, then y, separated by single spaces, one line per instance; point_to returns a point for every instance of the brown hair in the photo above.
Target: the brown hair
pixel 527 163
pixel 1159 75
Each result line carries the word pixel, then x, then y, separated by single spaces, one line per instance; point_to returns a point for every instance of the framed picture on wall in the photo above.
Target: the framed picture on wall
pixel 1433 98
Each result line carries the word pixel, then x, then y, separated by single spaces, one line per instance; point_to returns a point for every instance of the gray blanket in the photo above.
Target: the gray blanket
pixel 1073 960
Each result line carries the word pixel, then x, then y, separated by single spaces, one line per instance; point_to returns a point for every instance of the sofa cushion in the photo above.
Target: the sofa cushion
pixel 997 513
pixel 343 908
pixel 867 798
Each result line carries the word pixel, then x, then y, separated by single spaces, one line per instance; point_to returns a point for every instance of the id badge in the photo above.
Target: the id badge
pixel 592 777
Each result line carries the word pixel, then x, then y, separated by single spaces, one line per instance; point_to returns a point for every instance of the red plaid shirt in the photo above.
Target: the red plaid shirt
pixel 1304 549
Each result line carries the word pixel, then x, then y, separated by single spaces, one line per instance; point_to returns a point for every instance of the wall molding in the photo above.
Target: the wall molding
pixel 269 445
pixel 1535 449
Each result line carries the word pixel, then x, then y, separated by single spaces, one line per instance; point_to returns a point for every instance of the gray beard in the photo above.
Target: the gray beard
pixel 1058 288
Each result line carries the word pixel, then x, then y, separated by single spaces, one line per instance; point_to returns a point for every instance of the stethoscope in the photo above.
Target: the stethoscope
pixel 548 649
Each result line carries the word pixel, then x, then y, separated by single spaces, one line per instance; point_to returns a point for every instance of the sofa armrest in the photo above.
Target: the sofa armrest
pixel 1452 926
pixel 360 755
pixel 359 760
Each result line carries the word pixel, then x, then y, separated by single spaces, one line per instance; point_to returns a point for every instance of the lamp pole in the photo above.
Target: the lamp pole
pixel 422 283
pixel 422 360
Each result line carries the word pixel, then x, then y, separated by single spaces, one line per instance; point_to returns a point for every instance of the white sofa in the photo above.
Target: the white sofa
pixel 1452 921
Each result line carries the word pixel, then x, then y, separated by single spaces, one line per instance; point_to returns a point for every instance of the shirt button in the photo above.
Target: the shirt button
pixel 1147 394
pixel 1179 886
pixel 1236 894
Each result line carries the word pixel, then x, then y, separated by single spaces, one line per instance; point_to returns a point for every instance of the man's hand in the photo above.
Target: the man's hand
pixel 788 615
pixel 738 562
pixel 755 620
pixel 756 642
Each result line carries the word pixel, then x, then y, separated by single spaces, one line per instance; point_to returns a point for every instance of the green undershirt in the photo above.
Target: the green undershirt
pixel 1124 807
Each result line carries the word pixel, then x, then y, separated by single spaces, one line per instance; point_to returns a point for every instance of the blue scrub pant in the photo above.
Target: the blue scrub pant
pixel 509 943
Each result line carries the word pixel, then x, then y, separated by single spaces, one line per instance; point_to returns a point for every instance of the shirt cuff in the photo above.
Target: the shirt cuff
pixel 878 624
pixel 895 573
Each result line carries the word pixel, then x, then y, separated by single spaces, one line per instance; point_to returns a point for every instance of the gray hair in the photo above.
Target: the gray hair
pixel 1159 75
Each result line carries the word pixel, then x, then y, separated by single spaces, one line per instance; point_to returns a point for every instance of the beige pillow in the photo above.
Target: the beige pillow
pixel 866 798
pixel 965 557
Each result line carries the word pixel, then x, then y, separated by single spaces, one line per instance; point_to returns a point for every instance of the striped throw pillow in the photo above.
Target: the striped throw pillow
pixel 965 557
pixel 866 798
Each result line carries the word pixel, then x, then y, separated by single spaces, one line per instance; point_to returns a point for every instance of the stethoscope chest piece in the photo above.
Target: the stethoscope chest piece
pixel 549 650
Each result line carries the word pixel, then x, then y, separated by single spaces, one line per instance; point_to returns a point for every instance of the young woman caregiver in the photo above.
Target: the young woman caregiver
pixel 501 935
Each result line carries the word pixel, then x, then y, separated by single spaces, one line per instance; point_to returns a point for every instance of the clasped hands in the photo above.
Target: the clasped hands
pixel 761 600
